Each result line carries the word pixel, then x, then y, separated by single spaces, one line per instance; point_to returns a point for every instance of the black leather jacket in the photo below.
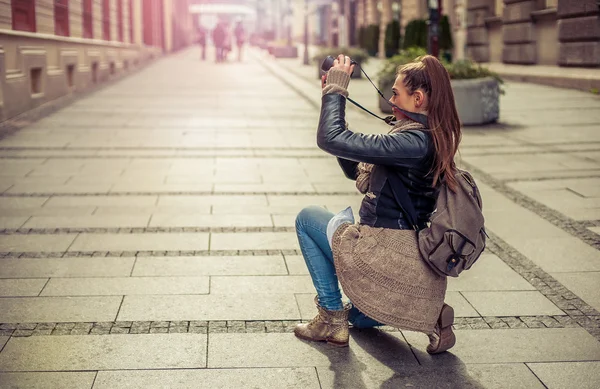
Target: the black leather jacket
pixel 409 154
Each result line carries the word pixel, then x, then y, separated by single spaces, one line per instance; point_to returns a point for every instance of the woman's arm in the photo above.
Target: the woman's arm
pixel 405 148
pixel 349 168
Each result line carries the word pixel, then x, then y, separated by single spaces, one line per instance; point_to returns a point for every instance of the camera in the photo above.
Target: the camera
pixel 328 63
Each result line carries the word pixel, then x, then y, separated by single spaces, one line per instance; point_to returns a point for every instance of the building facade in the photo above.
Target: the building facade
pixel 534 32
pixel 50 48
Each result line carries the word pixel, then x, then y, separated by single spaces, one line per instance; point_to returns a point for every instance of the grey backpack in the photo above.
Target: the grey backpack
pixel 456 234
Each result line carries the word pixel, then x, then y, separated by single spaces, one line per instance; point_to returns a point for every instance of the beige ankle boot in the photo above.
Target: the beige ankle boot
pixel 327 326
pixel 443 337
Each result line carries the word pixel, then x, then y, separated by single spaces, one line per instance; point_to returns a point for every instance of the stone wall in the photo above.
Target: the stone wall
pixel 477 34
pixel 518 34
pixel 579 33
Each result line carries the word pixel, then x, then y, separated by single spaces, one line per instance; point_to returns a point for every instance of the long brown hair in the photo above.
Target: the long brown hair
pixel 428 74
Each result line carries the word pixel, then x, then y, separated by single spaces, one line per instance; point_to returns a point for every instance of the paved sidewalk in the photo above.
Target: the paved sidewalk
pixel 147 240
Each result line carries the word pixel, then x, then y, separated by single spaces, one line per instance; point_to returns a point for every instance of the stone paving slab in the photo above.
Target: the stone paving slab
pixel 234 209
pixel 50 211
pixel 467 376
pixel 260 350
pixel 118 286
pixel 139 242
pixel 3 340
pixel 584 284
pixel 65 267
pixel 107 201
pixel 545 244
pixel 72 353
pixel 58 309
pixel 285 220
pixel 12 221
pixel 296 265
pixel 32 243
pixel 186 220
pixel 21 287
pixel 21 202
pixel 199 266
pixel 292 378
pixel 490 273
pixel 210 307
pixel 48 380
pixel 271 187
pixel 94 221
pixel 191 200
pixel 261 284
pixel 559 375
pixel 130 210
pixel 254 241
pixel 513 345
pixel 519 303
pixel 25 189
pixel 137 187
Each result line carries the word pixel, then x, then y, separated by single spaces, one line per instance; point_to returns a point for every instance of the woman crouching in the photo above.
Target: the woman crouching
pixel 377 260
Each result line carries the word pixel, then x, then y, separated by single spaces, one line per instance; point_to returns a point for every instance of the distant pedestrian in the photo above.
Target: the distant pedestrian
pixel 202 41
pixel 240 38
pixel 218 37
pixel 227 41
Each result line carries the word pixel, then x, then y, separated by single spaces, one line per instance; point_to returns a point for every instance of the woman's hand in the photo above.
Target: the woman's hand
pixel 343 62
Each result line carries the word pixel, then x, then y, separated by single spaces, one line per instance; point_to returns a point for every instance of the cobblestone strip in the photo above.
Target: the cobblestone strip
pixel 259 326
pixel 178 253
pixel 155 148
pixel 573 227
pixel 183 193
pixel 578 311
pixel 142 230
pixel 187 156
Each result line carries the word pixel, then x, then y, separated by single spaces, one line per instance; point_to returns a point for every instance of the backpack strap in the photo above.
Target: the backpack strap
pixel 402 197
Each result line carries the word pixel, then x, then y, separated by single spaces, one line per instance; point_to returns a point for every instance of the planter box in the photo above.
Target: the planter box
pixel 477 100
pixel 355 74
pixel 284 51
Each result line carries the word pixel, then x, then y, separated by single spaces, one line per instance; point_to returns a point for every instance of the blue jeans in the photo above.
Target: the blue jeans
pixel 311 228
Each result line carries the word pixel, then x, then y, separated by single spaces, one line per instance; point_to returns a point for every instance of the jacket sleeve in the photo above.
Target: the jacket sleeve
pixel 349 167
pixel 402 149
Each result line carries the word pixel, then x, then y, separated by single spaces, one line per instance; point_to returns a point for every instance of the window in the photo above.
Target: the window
pixel 61 17
pixel 106 20
pixel 88 25
pixel 120 20
pixel 23 15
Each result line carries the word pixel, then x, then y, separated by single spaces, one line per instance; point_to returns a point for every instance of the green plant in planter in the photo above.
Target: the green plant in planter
pixel 467 70
pixel 388 71
pixel 392 38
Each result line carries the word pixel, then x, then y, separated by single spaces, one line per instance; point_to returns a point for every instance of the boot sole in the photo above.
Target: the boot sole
pixel 446 318
pixel 447 337
pixel 330 342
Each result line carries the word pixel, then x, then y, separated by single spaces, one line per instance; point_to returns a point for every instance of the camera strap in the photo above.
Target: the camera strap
pixel 417 117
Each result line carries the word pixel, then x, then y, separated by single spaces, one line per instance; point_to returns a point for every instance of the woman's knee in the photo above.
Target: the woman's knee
pixel 307 214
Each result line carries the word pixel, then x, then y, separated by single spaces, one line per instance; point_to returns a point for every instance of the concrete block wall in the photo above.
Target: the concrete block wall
pixel 518 33
pixel 35 70
pixel 579 33
pixel 477 37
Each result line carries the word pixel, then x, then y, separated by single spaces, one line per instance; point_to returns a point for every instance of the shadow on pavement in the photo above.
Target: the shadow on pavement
pixel 379 355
